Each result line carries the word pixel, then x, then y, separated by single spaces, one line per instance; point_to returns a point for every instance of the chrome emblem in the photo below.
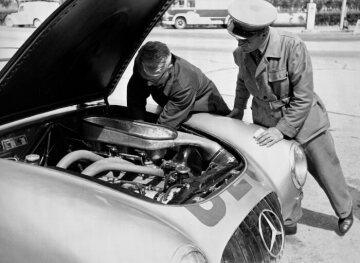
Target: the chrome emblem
pixel 271 232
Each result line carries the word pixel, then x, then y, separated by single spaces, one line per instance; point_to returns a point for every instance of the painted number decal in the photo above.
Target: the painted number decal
pixel 212 216
pixel 217 206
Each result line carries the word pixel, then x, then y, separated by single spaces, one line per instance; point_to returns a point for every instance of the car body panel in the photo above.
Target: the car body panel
pixel 240 134
pixel 90 221
pixel 77 220
pixel 214 221
pixel 88 63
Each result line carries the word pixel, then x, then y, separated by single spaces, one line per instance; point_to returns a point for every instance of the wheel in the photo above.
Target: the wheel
pixel 180 23
pixel 36 22
pixel 260 237
pixel 9 22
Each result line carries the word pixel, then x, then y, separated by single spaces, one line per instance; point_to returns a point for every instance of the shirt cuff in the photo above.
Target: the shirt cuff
pixel 286 129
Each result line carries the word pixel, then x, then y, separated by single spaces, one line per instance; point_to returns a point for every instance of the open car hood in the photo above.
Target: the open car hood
pixel 77 55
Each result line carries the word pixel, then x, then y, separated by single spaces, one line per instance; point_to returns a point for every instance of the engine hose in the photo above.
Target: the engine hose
pixel 116 164
pixel 210 148
pixel 74 156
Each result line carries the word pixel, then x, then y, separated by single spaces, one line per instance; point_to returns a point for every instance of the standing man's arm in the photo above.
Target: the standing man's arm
pixel 242 94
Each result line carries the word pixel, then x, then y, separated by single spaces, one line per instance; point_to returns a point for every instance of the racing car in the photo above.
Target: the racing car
pixel 80 181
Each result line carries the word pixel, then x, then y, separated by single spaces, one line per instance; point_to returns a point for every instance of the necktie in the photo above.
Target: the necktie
pixel 257 56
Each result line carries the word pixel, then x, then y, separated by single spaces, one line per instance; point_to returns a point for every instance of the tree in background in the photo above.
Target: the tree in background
pixel 6 3
pixel 321 5
pixel 289 5
pixel 328 11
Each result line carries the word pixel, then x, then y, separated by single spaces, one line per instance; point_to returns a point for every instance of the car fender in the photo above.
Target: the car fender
pixel 38 204
pixel 214 221
pixel 42 208
pixel 261 161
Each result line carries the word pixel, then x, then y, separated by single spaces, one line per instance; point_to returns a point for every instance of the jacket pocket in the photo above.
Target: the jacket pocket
pixel 278 75
pixel 279 82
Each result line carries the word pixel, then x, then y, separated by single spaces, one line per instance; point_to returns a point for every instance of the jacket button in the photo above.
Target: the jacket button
pixel 265 97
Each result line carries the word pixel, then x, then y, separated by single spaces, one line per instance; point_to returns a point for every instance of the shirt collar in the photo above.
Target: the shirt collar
pixel 273 48
pixel 262 47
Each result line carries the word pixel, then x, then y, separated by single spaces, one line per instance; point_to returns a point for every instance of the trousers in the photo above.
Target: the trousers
pixel 324 166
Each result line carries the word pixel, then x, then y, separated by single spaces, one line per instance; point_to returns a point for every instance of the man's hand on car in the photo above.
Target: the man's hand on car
pixel 269 137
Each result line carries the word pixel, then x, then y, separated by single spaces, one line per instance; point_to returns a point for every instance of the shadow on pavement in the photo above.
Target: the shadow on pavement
pixel 319 220
pixel 329 222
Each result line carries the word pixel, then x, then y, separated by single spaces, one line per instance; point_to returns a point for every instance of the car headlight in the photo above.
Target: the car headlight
pixel 298 166
pixel 188 254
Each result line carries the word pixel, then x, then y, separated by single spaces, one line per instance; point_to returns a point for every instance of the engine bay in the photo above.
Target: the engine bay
pixel 149 161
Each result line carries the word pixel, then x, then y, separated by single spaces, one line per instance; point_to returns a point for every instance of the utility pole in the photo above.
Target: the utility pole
pixel 310 17
pixel 343 14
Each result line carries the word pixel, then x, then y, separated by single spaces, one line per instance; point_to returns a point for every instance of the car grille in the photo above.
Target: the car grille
pixel 260 236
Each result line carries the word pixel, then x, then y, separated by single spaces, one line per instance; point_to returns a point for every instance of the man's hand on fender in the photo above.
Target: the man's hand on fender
pixel 269 137
pixel 236 113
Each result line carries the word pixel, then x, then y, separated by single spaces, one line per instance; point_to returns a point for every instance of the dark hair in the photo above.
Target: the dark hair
pixel 153 55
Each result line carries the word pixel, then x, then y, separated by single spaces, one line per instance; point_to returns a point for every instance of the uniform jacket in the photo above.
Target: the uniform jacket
pixel 186 90
pixel 282 88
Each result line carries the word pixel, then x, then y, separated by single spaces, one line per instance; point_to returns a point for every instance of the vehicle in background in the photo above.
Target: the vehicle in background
pixel 31 13
pixel 290 19
pixel 197 12
pixel 183 13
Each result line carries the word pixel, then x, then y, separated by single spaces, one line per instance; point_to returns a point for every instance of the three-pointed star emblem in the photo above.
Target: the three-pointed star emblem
pixel 271 232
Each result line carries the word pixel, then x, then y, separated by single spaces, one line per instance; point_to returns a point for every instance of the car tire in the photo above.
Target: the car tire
pixel 36 22
pixel 180 23
pixel 252 242
pixel 9 22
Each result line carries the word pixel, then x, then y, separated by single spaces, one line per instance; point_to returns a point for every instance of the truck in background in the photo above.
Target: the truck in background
pixel 197 12
pixel 183 13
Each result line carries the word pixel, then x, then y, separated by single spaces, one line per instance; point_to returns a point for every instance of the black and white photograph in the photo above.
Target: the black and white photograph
pixel 179 131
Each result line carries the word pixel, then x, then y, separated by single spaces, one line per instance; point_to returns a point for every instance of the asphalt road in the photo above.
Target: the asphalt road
pixel 336 63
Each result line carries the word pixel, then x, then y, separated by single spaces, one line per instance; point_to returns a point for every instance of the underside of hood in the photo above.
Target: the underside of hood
pixel 77 55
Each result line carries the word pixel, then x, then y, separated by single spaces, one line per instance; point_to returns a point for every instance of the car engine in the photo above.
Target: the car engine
pixel 150 161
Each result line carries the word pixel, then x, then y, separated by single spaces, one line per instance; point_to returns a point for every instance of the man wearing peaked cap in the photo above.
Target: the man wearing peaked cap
pixel 248 17
pixel 275 68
